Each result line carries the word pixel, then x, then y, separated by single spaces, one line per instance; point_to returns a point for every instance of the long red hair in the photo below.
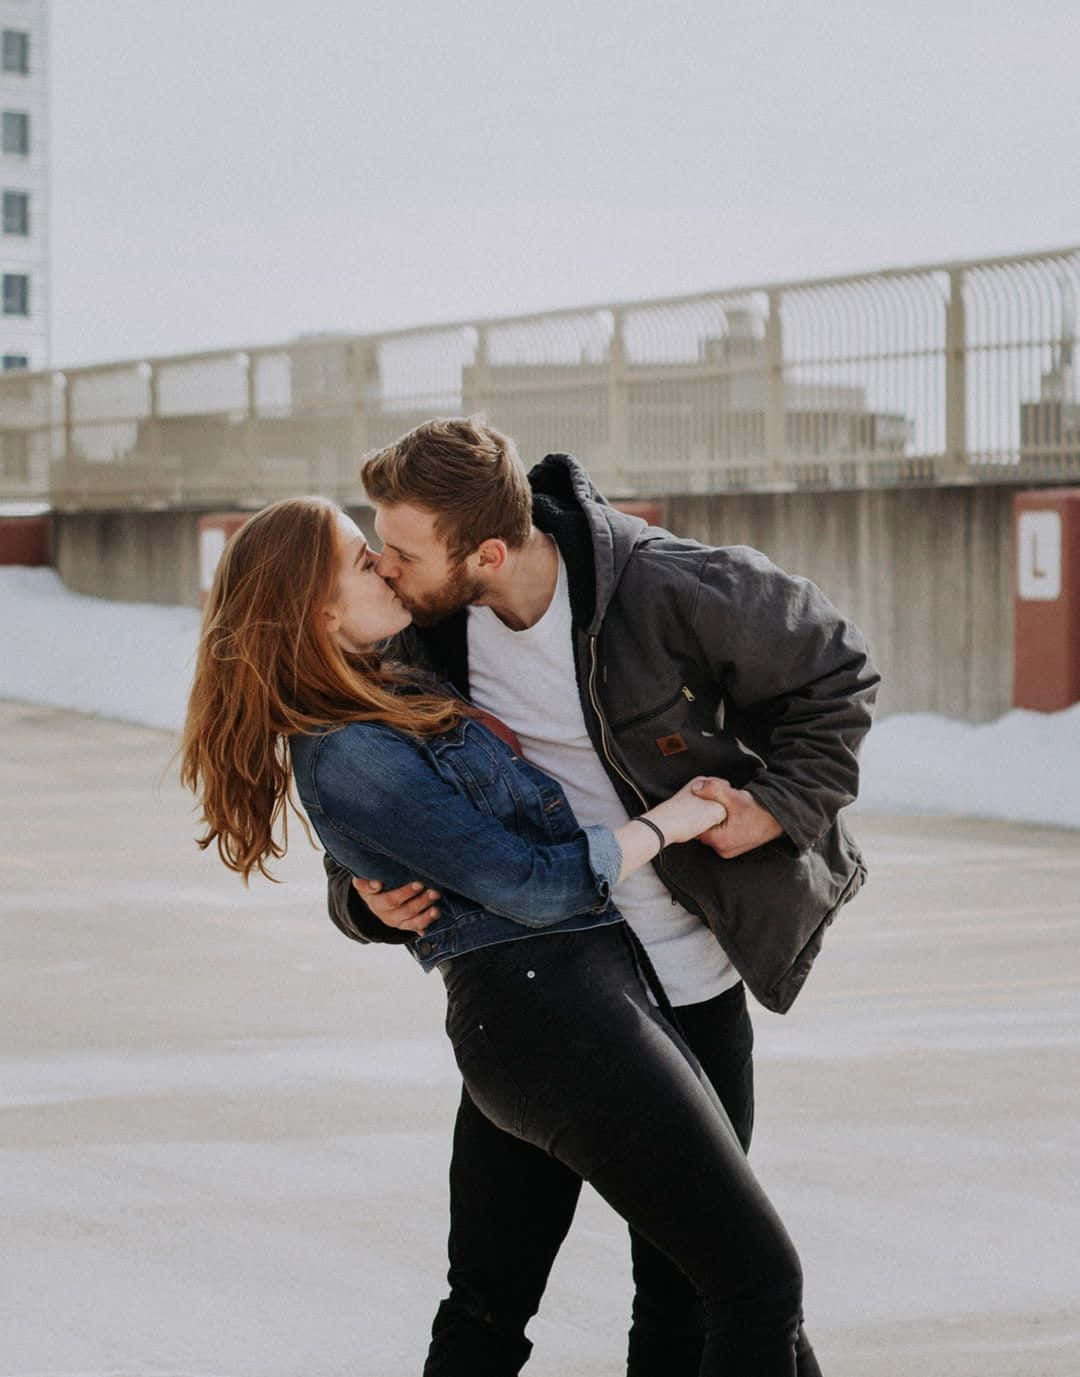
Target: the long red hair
pixel 268 667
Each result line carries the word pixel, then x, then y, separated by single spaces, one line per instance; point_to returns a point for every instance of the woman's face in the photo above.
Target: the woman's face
pixel 364 609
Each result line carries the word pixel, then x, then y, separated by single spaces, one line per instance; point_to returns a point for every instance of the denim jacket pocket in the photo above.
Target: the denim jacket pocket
pixel 469 758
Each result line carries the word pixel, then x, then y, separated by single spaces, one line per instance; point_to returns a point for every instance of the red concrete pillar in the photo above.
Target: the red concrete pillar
pixel 651 512
pixel 24 540
pixel 1046 660
pixel 214 530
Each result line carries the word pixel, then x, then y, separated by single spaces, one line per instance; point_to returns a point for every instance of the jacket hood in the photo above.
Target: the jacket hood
pixel 595 539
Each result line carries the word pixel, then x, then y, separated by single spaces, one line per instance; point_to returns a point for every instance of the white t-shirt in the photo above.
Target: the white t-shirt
pixel 527 679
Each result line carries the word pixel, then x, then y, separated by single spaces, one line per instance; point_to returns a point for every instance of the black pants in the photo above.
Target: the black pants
pixel 572 1074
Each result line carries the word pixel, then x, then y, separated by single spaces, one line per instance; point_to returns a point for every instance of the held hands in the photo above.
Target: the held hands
pixel 747 824
pixel 410 907
pixel 688 813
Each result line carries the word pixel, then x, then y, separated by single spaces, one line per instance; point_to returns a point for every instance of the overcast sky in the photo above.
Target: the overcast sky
pixel 239 172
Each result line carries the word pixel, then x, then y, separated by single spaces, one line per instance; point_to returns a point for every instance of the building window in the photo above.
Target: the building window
pixel 16 132
pixel 11 362
pixel 16 294
pixel 16 212
pixel 16 49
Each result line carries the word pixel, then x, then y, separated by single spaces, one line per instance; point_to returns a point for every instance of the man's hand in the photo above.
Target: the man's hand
pixel 409 907
pixel 747 824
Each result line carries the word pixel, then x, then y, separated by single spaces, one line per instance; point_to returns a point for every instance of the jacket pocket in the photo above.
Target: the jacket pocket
pixel 682 695
pixel 677 739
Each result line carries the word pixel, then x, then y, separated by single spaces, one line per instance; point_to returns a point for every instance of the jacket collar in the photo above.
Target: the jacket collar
pixel 595 539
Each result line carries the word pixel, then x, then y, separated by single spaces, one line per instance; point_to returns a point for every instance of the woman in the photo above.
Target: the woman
pixel 548 1012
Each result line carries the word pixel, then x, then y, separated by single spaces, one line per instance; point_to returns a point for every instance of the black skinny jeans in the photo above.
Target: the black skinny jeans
pixel 561 1048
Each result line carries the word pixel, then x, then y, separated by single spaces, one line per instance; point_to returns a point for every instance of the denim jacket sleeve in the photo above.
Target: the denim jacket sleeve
pixel 373 791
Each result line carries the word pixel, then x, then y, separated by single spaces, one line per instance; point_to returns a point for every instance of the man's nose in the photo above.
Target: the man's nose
pixel 384 565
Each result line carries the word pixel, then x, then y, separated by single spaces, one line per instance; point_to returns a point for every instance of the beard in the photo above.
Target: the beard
pixel 460 589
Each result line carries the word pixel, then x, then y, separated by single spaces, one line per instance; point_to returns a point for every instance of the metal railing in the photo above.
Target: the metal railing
pixel 948 373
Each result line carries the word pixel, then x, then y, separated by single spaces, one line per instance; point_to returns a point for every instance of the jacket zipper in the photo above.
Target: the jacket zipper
pixel 687 901
pixel 683 692
pixel 595 704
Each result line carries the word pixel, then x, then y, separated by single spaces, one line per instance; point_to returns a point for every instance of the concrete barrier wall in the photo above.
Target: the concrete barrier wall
pixel 927 573
pixel 129 556
pixel 136 556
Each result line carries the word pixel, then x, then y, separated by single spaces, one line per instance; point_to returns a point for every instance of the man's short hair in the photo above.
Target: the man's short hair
pixel 464 472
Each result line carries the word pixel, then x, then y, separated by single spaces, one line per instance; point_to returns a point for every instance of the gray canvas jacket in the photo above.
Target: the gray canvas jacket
pixel 697 660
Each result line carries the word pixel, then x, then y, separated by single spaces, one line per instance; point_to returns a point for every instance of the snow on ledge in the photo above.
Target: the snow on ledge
pixel 1024 767
pixel 131 661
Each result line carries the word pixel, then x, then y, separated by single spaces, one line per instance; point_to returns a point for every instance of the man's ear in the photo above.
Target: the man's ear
pixel 490 555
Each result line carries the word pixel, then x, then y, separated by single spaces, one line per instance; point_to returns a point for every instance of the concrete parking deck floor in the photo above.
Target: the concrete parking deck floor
pixel 224 1128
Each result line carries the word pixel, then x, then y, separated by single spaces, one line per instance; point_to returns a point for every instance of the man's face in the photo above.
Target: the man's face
pixel 416 564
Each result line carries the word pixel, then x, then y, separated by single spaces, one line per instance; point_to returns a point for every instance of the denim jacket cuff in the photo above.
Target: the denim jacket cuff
pixel 605 859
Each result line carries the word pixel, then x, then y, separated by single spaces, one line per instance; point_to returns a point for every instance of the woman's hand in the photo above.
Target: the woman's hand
pixel 688 813
pixel 680 818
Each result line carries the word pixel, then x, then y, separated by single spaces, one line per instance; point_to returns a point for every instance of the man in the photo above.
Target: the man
pixel 626 661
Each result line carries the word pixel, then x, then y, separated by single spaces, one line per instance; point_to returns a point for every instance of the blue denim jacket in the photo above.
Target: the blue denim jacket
pixel 464 814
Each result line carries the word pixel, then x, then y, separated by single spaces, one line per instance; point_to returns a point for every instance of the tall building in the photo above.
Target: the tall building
pixel 24 184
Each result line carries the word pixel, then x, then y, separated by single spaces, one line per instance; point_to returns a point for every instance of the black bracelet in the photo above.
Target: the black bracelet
pixel 652 828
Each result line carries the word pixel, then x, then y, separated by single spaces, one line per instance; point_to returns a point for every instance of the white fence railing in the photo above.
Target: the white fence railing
pixel 948 373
